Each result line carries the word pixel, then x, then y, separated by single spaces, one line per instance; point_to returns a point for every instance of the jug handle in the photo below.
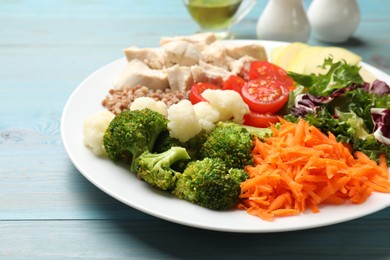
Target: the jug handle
pixel 243 11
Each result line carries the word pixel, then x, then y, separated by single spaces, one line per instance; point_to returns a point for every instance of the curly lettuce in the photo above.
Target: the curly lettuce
pixel 342 103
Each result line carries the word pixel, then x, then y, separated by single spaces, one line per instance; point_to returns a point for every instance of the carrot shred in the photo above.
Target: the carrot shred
pixel 383 165
pixel 300 168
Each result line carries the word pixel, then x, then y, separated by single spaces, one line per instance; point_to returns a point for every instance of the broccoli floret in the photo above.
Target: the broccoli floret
pixel 131 133
pixel 193 145
pixel 230 142
pixel 165 142
pixel 257 132
pixel 239 175
pixel 209 183
pixel 156 168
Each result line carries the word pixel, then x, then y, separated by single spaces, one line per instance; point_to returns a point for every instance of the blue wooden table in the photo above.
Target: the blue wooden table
pixel 49 210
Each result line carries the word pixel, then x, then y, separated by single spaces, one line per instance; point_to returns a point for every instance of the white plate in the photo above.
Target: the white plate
pixel 120 183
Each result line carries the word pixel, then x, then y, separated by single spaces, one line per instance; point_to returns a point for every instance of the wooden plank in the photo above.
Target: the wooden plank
pixel 40 182
pixel 92 8
pixel 145 8
pixel 158 239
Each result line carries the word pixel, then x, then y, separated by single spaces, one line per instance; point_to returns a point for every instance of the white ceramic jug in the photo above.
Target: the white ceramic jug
pixel 334 21
pixel 284 20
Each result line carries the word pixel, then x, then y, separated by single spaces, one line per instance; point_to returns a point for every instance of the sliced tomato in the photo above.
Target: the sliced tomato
pixel 197 90
pixel 260 70
pixel 260 120
pixel 264 96
pixel 270 71
pixel 234 83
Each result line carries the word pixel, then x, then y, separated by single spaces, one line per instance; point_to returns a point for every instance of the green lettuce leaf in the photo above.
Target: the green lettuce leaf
pixel 340 75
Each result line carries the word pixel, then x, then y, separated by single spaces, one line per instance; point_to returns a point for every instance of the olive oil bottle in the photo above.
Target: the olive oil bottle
pixel 213 14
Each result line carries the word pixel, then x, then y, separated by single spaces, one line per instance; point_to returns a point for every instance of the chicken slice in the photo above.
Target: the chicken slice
pixel 241 66
pixel 205 72
pixel 179 78
pixel 216 54
pixel 182 53
pixel 199 39
pixel 138 73
pixel 255 50
pixel 153 57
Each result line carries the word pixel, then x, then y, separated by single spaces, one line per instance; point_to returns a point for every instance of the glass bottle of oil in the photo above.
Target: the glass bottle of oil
pixel 218 15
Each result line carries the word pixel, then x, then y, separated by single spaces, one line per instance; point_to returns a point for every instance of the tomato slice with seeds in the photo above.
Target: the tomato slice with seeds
pixel 234 83
pixel 260 120
pixel 197 90
pixel 264 96
pixel 270 71
pixel 261 70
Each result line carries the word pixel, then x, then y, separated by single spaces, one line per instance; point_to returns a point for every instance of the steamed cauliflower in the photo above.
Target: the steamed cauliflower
pixel 93 129
pixel 183 123
pixel 229 103
pixel 148 102
pixel 207 115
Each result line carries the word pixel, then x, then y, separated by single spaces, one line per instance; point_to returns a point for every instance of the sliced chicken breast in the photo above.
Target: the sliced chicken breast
pixel 182 53
pixel 179 78
pixel 255 50
pixel 205 72
pixel 138 73
pixel 153 57
pixel 199 39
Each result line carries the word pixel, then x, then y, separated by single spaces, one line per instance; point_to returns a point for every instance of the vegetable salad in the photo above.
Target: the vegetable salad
pixel 213 149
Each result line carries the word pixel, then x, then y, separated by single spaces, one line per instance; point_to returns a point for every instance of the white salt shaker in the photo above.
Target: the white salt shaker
pixel 284 20
pixel 334 21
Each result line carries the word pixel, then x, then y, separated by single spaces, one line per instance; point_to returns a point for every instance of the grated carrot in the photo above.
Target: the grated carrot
pixel 383 165
pixel 299 168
